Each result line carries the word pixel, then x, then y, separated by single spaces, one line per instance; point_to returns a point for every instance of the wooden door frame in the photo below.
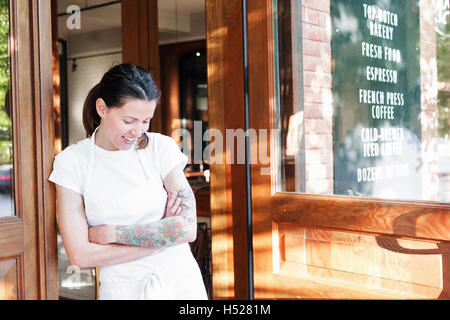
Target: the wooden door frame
pixel 32 231
pixel 427 221
pixel 140 42
pixel 45 132
pixel 226 110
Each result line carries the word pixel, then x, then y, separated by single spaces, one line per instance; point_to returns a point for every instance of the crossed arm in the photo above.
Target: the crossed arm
pixel 108 245
pixel 179 224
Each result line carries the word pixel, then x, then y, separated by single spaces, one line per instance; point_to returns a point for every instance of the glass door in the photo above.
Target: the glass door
pixel 354 202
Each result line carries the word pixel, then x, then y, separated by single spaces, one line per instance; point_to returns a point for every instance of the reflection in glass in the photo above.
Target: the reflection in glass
pixel 194 106
pixel 362 96
pixel 443 75
pixel 442 20
pixel 291 114
pixel 6 154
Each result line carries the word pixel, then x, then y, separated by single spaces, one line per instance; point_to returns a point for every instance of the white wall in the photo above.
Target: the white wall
pixel 89 71
pixel 87 75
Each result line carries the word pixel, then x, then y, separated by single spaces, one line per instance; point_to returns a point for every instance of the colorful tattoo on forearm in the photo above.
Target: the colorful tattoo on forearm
pixel 163 233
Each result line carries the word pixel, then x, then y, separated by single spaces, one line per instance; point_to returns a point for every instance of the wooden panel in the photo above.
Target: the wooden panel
pixel 45 131
pixel 235 119
pixel 321 288
pixel 261 100
pixel 153 40
pixel 11 238
pixel 366 263
pixel 130 31
pixel 226 111
pixel 139 34
pixel 402 218
pixel 25 147
pixel 221 244
pixel 8 280
pixel 140 41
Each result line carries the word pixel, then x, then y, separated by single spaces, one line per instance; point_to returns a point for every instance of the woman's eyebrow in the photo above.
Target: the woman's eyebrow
pixel 135 118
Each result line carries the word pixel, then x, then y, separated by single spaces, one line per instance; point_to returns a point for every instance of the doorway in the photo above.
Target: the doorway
pixel 86 51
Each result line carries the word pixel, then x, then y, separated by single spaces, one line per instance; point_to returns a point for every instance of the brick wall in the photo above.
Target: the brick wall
pixel 317 96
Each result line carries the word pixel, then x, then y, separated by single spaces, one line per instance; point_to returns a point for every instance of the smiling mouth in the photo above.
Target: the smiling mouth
pixel 128 140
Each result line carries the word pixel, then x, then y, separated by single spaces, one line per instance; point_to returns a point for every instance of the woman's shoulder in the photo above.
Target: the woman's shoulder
pixel 74 152
pixel 69 167
pixel 156 139
pixel 160 145
pixel 166 152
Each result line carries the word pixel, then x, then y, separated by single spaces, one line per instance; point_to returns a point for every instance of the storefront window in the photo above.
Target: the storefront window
pixel 363 98
pixel 6 147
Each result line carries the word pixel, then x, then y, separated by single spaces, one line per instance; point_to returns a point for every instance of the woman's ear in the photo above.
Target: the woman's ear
pixel 101 107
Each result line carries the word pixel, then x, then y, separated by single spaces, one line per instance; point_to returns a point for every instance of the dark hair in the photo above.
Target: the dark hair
pixel 121 82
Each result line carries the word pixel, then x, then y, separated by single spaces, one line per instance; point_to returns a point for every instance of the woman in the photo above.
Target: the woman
pixel 123 202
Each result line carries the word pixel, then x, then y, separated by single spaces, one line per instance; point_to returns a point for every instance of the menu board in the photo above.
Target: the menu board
pixel 376 97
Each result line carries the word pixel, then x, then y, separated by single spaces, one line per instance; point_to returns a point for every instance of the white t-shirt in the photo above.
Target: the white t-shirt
pixel 121 169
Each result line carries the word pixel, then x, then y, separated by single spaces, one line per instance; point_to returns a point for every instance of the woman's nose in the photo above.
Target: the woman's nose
pixel 136 132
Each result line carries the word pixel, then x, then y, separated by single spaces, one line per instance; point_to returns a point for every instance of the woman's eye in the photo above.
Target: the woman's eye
pixel 128 122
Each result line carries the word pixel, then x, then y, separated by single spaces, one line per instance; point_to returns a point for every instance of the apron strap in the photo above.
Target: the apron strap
pixel 91 161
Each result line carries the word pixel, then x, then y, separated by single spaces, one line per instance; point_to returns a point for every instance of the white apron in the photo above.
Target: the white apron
pixel 171 273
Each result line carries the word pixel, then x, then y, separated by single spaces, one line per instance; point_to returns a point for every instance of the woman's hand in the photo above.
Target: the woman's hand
pixel 173 206
pixel 103 234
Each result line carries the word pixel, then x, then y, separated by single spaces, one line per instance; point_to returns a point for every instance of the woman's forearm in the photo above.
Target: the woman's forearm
pixel 163 233
pixel 166 232
pixel 98 255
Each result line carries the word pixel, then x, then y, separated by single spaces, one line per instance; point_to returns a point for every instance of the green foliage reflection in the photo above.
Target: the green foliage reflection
pixel 443 67
pixel 5 121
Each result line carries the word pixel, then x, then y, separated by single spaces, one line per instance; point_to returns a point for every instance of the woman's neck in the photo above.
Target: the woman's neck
pixel 102 142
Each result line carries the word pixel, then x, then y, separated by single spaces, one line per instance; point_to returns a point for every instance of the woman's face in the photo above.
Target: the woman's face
pixel 121 127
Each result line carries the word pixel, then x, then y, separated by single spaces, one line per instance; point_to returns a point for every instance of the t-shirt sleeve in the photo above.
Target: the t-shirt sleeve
pixel 65 172
pixel 170 156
